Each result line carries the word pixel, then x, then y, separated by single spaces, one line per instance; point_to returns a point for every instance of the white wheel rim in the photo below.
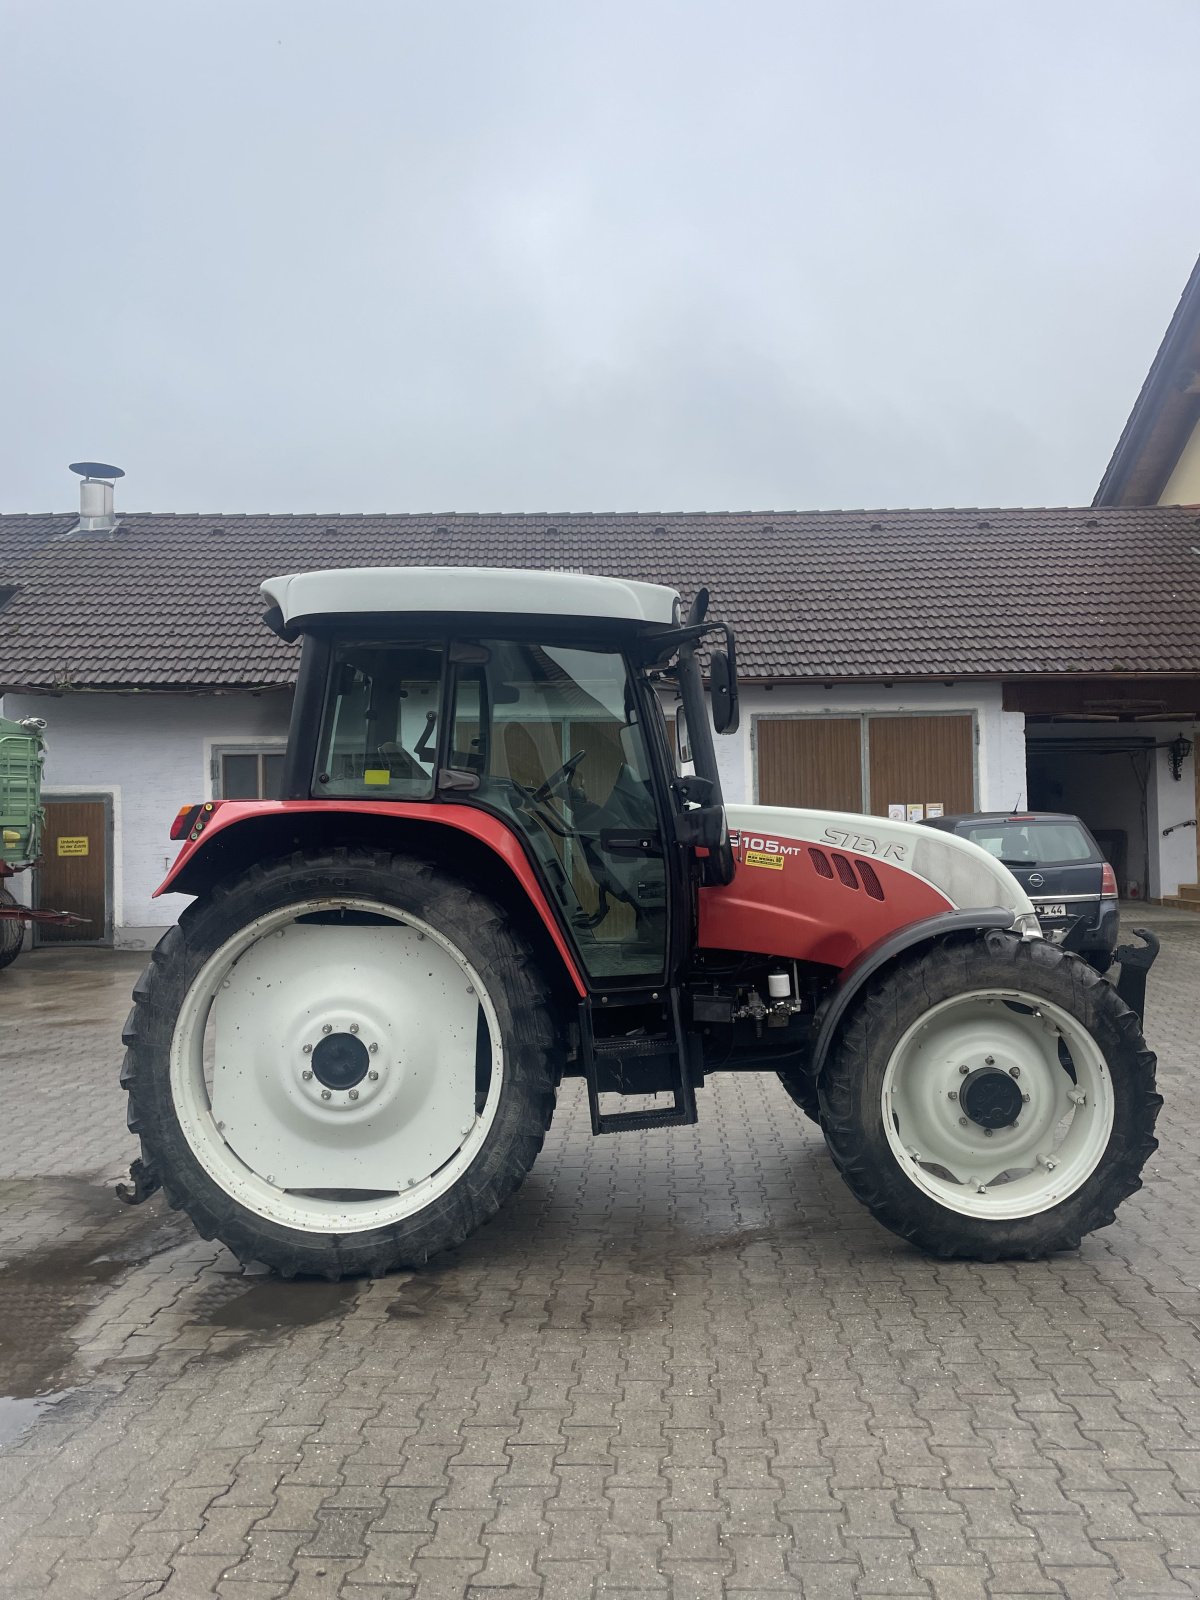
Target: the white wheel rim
pixel 266 1073
pixel 1061 1130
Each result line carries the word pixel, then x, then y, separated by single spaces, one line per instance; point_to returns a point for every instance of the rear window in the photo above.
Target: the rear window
pixel 1032 843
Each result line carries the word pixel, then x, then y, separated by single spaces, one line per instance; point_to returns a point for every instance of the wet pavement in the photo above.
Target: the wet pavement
pixel 682 1363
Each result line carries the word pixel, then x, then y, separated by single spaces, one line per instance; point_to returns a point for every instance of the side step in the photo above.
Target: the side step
pixel 639 1065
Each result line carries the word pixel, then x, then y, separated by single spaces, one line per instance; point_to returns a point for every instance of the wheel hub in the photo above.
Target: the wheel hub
pixel 991 1099
pixel 340 1061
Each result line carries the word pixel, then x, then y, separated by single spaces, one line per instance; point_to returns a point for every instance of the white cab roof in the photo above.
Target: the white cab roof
pixel 345 590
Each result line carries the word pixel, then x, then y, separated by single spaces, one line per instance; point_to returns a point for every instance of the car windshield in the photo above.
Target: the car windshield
pixel 1028 841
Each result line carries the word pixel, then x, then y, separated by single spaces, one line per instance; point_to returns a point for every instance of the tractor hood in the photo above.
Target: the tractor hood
pixel 965 873
pixel 827 886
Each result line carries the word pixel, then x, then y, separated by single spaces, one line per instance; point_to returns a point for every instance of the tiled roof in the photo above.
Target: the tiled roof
pixel 173 600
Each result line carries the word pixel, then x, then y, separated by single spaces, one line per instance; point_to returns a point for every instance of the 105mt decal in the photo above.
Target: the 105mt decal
pixel 863 843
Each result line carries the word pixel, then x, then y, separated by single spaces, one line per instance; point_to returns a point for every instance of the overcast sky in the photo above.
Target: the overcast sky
pixel 586 254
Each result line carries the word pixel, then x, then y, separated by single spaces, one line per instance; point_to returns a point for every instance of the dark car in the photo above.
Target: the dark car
pixel 1059 865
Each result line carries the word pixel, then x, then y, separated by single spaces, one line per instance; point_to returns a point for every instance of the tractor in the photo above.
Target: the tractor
pixel 501 858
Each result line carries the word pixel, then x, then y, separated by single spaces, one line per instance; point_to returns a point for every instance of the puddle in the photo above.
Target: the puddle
pixel 18 1416
pixel 427 1297
pixel 46 1292
pixel 275 1303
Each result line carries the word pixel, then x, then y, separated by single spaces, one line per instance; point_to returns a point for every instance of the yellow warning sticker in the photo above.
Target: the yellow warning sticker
pixel 377 775
pixel 759 858
pixel 72 847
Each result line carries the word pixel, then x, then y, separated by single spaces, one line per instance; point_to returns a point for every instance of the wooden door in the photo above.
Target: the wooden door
pixel 810 761
pixel 922 760
pixel 73 875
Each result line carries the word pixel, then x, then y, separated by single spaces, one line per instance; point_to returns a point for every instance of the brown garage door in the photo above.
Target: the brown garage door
pixel 918 760
pixel 73 874
pixel 810 761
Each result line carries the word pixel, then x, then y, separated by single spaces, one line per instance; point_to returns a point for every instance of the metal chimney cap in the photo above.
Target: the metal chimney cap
pixel 96 469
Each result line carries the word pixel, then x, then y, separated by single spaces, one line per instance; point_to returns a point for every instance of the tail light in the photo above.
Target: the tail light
pixel 189 820
pixel 1108 882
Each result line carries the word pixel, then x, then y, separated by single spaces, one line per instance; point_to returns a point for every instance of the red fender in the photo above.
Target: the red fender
pixel 489 830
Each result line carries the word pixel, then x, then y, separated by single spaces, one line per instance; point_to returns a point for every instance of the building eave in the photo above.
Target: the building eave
pixel 1164 413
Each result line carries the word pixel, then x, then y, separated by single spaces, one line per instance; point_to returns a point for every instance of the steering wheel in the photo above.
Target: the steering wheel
pixel 556 780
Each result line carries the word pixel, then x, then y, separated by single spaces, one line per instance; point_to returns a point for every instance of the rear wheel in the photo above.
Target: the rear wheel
pixel 341 1062
pixel 991 1098
pixel 12 932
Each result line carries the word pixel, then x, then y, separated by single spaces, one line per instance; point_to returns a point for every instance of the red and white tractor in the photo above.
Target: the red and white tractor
pixel 490 870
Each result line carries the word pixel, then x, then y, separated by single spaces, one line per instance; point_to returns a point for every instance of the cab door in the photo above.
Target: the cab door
pixel 552 734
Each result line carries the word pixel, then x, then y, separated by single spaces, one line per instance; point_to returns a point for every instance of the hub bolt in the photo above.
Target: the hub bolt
pixel 373 1075
pixel 963 1121
pixel 306 1074
pixel 373 1048
pixel 324 1094
pixel 1014 1072
pixel 953 1095
pixel 989 1061
pixel 987 1133
pixel 1025 1099
pixel 354 1094
pixel 964 1069
pixel 327 1027
pixel 308 1049
pixel 354 1027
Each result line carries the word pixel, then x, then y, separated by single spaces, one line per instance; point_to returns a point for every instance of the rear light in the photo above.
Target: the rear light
pixel 1108 882
pixel 190 820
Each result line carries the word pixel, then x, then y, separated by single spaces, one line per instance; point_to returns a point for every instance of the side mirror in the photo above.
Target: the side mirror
pixel 722 677
pixel 683 745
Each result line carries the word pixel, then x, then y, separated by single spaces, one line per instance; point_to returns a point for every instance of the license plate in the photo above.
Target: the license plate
pixel 1050 908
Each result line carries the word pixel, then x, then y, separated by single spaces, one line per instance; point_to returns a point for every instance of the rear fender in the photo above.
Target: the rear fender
pixel 237 833
pixel 854 977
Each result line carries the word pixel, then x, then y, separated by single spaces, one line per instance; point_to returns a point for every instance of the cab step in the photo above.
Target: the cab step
pixel 637 1065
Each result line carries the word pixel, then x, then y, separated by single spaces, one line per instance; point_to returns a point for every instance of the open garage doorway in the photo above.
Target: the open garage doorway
pixel 1103 779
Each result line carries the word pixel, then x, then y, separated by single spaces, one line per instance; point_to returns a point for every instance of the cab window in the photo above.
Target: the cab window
pixel 379 730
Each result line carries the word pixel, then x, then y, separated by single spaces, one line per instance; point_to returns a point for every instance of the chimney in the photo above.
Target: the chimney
pixel 96 497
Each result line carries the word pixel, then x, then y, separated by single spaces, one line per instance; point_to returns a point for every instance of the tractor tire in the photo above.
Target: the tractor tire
pixel 802 1090
pixel 1019 1092
pixel 12 933
pixel 247 1050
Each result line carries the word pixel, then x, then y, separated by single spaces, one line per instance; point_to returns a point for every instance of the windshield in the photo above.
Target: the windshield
pixel 1027 842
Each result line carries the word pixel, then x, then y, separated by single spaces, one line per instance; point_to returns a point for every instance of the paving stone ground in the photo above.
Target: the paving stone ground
pixel 681 1364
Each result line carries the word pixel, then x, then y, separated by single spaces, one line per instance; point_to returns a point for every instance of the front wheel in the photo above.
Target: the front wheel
pixel 991 1098
pixel 341 1062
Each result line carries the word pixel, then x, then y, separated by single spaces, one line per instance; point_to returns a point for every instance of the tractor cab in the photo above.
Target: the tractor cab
pixel 541 699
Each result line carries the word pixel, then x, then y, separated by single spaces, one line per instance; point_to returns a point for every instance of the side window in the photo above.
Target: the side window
pixel 379 730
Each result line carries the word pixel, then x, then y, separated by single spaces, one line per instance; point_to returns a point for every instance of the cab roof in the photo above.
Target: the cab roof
pixel 302 598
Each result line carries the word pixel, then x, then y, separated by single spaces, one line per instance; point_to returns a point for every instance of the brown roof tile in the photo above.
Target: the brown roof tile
pixel 173 600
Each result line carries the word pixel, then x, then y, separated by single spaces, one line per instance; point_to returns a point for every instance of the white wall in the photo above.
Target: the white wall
pixel 1173 801
pixel 1000 752
pixel 151 752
